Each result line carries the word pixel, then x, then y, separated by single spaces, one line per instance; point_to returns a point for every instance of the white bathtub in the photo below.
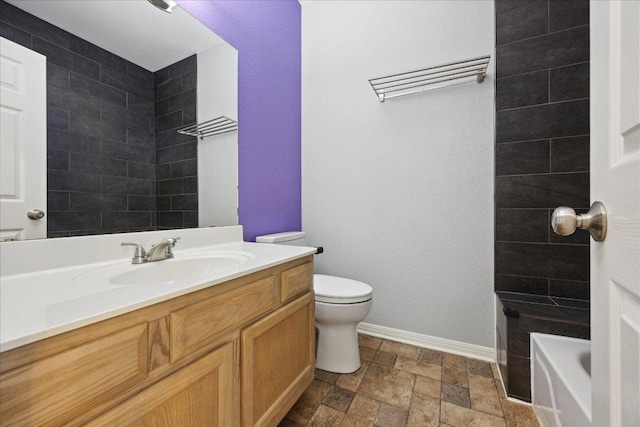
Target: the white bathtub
pixel 561 380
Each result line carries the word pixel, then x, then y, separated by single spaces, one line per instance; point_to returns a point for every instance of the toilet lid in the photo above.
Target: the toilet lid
pixel 338 290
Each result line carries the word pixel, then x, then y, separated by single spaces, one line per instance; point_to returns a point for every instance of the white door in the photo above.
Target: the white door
pixel 615 181
pixel 23 141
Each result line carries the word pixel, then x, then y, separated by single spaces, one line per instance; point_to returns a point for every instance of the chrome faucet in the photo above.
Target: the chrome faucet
pixel 162 249
pixel 157 252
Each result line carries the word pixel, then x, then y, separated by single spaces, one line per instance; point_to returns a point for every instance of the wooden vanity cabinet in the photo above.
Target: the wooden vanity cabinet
pixel 239 353
pixel 276 371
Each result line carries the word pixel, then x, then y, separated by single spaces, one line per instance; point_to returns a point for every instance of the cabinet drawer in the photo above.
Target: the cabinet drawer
pixel 296 281
pixel 69 387
pixel 199 324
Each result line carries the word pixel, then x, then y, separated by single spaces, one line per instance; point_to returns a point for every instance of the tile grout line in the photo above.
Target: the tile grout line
pixel 549 102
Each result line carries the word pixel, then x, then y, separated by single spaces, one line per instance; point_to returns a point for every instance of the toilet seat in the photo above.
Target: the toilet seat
pixel 338 290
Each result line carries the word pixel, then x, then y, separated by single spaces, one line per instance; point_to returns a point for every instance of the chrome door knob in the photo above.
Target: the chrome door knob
pixel 35 214
pixel 564 221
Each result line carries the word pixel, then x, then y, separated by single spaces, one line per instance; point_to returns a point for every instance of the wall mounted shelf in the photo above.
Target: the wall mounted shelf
pixel 431 78
pixel 217 126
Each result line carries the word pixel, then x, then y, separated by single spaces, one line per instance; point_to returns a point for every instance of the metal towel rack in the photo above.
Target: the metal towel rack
pixel 430 78
pixel 217 126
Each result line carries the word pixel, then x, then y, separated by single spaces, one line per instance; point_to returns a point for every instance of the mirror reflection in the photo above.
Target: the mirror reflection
pixel 90 133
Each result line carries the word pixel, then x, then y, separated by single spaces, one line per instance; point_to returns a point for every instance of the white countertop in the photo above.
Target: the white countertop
pixel 40 304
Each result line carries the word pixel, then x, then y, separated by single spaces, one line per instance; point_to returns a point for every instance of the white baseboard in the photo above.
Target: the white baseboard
pixel 449 346
pixel 504 387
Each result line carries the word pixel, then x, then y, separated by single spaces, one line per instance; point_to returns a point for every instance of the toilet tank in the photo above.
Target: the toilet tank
pixel 293 238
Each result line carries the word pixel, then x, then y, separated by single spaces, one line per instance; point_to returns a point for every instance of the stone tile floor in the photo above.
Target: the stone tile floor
pixel 402 385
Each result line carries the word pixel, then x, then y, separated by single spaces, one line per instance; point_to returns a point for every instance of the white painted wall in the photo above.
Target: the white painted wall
pixel 218 154
pixel 400 193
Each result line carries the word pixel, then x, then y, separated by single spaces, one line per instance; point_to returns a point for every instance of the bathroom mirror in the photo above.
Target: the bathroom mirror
pixel 122 77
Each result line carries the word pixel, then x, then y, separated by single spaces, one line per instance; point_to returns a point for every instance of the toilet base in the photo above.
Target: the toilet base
pixel 338 349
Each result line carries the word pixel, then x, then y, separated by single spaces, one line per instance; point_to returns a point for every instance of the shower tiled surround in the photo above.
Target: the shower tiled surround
pixel 402 385
pixel 542 161
pixel 102 121
pixel 175 95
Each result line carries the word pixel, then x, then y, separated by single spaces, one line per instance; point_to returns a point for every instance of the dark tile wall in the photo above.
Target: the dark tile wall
pixel 542 161
pixel 100 131
pixel 175 106
pixel 532 313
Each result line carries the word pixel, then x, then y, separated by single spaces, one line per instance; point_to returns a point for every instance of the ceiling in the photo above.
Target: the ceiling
pixel 133 29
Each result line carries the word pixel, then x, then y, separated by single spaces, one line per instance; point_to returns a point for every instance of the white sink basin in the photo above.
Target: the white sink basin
pixel 173 270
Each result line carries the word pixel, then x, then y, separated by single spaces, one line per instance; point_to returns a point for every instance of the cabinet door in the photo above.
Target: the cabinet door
pixel 278 361
pixel 204 393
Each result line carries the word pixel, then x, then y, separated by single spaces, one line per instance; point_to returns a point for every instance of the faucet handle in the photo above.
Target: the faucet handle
pixel 172 242
pixel 168 241
pixel 165 245
pixel 139 256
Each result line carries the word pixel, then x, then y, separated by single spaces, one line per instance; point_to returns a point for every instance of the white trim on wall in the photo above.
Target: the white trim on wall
pixel 435 343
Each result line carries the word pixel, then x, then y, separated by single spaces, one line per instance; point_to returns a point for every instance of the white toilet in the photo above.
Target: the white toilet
pixel 340 305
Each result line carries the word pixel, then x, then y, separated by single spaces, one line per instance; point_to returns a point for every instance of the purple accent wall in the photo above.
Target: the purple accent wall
pixel 267 35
